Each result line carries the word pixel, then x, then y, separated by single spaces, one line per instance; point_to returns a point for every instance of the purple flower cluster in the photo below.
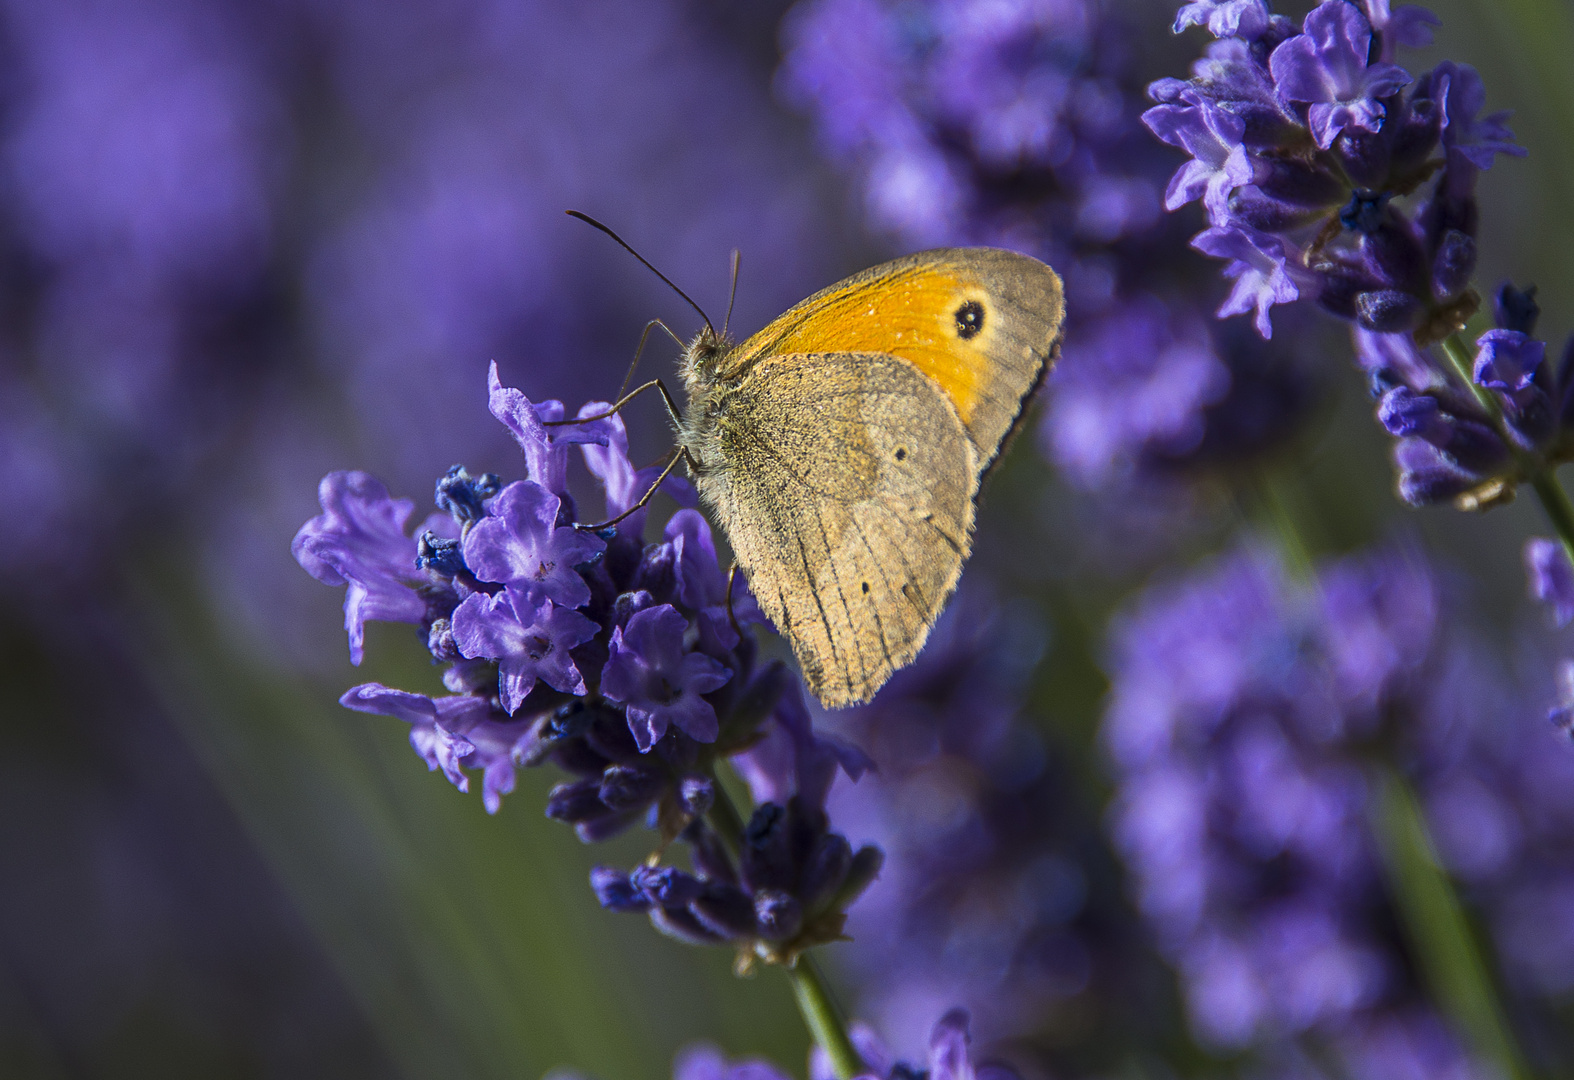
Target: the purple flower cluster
pixel 1017 124
pixel 1246 712
pixel 1328 172
pixel 621 662
pixel 1473 443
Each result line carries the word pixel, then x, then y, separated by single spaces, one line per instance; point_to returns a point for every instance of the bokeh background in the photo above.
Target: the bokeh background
pixel 243 244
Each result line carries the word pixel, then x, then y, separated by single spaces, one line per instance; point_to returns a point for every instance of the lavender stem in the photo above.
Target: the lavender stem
pixel 824 1022
pixel 1432 917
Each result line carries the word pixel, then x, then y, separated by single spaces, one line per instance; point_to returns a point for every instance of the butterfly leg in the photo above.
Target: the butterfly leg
pixel 617 406
pixel 677 455
pixel 732 572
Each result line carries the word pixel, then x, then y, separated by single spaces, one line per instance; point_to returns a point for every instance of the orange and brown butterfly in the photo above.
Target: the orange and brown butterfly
pixel 841 447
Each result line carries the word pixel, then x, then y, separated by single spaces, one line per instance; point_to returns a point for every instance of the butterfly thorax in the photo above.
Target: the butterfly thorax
pixel 709 391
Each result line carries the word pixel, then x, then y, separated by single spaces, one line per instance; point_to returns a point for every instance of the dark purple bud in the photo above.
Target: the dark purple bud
pixel 595 830
pixel 1252 208
pixel 577 757
pixel 460 495
pixel 1338 286
pixel 630 604
pixel 697 793
pixel 1477 447
pixel 1516 309
pixel 1406 413
pixel 1551 577
pixel 1301 184
pixel 616 892
pixel 725 910
pixel 667 885
pixel 1427 476
pixel 1365 211
pixel 439 555
pixel 1414 136
pixel 825 870
pixel 1393 252
pixel 1453 265
pixel 778 915
pixel 440 640
pixel 577 800
pixel 1387 311
pixel 708 854
pixel 680 923
pixel 609 736
pixel 627 787
pixel 1364 156
pixel 860 875
pixel 657 573
pixel 767 858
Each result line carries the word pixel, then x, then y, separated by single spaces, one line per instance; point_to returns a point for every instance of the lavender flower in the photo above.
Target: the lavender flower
pixel 657 683
pixel 1551 577
pixel 529 638
pixel 1336 136
pixel 949 1056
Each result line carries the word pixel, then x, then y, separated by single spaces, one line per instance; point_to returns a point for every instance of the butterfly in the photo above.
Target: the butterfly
pixel 841 448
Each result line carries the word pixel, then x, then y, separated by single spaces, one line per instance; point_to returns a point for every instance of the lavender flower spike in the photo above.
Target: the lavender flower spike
pixel 658 683
pixel 529 638
pixel 1326 67
pixel 521 544
pixel 1551 577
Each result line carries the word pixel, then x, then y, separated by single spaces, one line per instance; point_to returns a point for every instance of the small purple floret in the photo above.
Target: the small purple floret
pixel 1551 577
pixel 1219 162
pixel 1259 268
pixel 530 639
pixel 520 544
pixel 359 541
pixel 658 683
pixel 1507 360
pixel 1326 68
pixel 1247 19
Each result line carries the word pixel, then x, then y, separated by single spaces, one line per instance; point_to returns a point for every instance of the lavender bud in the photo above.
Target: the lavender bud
pixel 825 871
pixel 860 875
pixel 778 914
pixel 767 862
pixel 576 756
pixel 1516 309
pixel 680 923
pixel 577 800
pixel 697 793
pixel 1365 212
pixel 461 495
pixel 667 885
pixel 1394 254
pixel 439 555
pixel 708 854
pixel 595 830
pixel 657 574
pixel 630 604
pixel 1387 311
pixel 1301 184
pixel 440 640
pixel 616 892
pixel 627 787
pixel 725 910
pixel 1364 156
pixel 1252 208
pixel 1427 476
pixel 1453 264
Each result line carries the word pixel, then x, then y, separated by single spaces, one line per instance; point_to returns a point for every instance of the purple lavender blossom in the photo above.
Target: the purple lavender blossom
pixel 522 543
pixel 1225 18
pixel 530 638
pixel 1327 67
pixel 359 541
pixel 1551 577
pixel 1240 815
pixel 1219 162
pixel 1259 266
pixel 949 1055
pixel 660 685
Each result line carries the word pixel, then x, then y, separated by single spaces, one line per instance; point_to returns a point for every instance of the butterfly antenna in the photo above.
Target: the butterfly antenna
pixel 588 220
pixel 732 294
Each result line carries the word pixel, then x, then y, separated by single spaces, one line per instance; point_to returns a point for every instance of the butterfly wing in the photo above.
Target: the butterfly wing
pixel 847 494
pixel 982 323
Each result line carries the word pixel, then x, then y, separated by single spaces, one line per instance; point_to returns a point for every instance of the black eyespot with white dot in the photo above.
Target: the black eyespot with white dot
pixel 969 319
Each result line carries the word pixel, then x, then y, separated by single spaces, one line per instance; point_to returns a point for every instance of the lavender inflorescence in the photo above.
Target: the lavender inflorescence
pixel 623 663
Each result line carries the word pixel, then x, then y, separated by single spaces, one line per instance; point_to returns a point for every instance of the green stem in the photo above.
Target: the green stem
pixel 825 1023
pixel 724 817
pixel 1450 959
